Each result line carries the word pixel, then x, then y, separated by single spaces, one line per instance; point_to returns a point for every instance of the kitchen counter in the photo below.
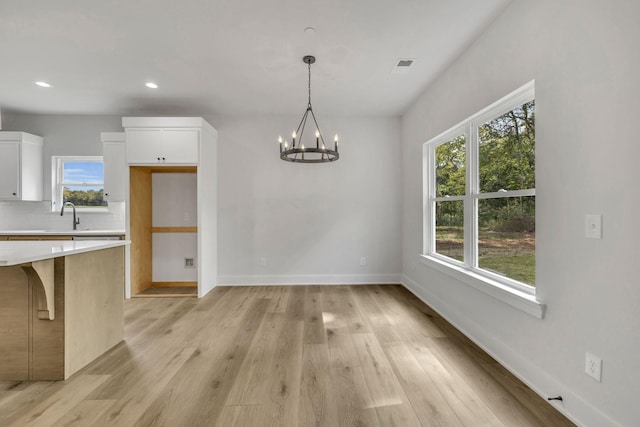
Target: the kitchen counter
pixel 14 253
pixel 62 304
pixel 62 232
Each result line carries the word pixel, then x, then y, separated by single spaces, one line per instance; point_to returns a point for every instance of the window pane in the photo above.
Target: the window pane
pixel 83 196
pixel 450 168
pixel 506 237
pixel 450 229
pixel 83 172
pixel 507 151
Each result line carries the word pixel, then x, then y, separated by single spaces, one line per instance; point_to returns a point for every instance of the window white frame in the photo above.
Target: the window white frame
pixel 468 270
pixel 57 180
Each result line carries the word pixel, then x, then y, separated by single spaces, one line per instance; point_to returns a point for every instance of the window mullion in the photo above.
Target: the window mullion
pixel 471 202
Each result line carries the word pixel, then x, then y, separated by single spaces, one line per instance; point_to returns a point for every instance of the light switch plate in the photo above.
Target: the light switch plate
pixel 593 226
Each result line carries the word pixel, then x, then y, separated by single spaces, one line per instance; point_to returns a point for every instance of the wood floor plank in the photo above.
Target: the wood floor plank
pixel 195 396
pixel 26 396
pixel 400 415
pixel 368 355
pixel 389 399
pixel 252 384
pixel 354 403
pixel 283 397
pixel 132 401
pixel 465 402
pixel 296 305
pixel 382 382
pixel 197 393
pixel 60 403
pixel 314 329
pixel 372 312
pixel 244 415
pixel 496 396
pixel 85 413
pixel 279 297
pixel 318 406
pixel 429 405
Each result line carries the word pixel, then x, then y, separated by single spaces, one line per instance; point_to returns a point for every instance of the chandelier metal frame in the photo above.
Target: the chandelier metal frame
pixel 298 152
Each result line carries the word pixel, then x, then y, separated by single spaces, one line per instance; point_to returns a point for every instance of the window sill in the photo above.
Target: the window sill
pixel 515 298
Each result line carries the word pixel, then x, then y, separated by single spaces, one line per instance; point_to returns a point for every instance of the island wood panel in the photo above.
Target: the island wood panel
pixel 14 324
pixel 88 302
pixel 94 301
pixel 47 336
pixel 140 227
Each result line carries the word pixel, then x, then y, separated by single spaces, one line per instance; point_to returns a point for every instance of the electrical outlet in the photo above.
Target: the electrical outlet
pixel 363 260
pixel 263 261
pixel 189 263
pixel 593 366
pixel 593 226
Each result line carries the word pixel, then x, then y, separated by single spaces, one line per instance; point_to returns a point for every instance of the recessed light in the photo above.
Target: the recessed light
pixel 42 84
pixel 151 85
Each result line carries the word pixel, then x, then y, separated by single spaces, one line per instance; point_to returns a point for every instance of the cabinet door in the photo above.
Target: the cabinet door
pixel 32 171
pixel 144 145
pixel 9 170
pixel 180 146
pixel 115 170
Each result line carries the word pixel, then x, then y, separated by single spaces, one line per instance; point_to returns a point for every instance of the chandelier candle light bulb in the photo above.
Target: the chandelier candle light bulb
pixel 310 154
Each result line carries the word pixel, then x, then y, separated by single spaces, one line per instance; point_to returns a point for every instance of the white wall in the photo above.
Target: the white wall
pixel 309 223
pixel 174 199
pixel 584 58
pixel 64 135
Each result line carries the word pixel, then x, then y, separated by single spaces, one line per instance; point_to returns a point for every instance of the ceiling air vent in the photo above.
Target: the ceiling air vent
pixel 402 66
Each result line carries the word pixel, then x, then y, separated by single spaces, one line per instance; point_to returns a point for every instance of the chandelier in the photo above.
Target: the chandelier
pixel 317 152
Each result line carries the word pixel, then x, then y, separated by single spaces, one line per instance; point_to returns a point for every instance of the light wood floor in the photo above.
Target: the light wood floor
pixel 284 356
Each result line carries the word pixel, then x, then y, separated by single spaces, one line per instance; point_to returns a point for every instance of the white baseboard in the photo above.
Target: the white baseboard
pixel 323 279
pixel 573 406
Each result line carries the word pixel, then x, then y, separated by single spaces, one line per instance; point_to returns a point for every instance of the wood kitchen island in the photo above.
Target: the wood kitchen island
pixel 61 306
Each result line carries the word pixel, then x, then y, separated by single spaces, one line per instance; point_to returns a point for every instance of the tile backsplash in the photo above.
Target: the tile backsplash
pixel 20 215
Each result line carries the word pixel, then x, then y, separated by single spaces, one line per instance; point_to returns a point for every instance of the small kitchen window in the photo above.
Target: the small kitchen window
pixel 79 180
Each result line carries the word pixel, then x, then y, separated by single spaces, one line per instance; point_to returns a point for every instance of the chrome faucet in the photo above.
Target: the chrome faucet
pixel 76 221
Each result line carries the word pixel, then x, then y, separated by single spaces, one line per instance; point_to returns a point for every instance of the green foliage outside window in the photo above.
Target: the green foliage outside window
pixel 84 197
pixel 506 225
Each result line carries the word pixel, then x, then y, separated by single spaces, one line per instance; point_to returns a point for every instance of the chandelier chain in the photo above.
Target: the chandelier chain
pixel 309 65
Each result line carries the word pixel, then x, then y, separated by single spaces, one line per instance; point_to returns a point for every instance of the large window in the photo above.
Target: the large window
pixel 480 193
pixel 79 180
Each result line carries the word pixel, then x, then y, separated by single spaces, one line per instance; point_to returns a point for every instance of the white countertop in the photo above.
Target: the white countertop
pixel 62 232
pixel 19 252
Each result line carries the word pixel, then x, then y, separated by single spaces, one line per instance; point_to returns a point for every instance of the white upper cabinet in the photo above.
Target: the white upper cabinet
pixel 180 145
pixel 21 168
pixel 115 166
pixel 161 144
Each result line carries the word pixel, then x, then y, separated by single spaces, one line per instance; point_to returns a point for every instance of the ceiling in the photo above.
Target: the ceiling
pixel 230 57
